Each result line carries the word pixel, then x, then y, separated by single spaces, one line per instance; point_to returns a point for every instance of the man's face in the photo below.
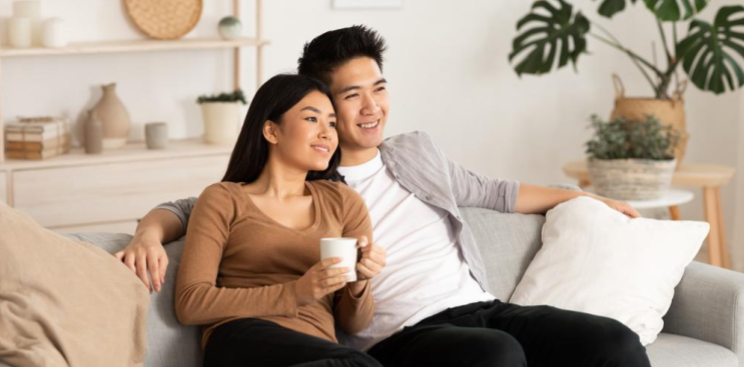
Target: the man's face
pixel 362 103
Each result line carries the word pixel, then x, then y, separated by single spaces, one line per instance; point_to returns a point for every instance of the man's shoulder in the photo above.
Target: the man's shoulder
pixel 416 141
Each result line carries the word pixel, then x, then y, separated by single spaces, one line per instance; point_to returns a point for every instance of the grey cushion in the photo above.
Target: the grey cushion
pixel 170 344
pixel 507 243
pixel 671 350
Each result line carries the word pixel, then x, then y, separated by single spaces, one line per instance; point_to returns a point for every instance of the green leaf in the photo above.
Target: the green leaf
pixel 547 32
pixel 707 53
pixel 671 10
pixel 609 8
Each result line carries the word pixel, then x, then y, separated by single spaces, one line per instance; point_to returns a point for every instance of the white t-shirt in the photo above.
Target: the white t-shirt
pixel 425 272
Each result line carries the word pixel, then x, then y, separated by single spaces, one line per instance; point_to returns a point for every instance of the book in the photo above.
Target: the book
pixel 36 129
pixel 44 154
pixel 38 145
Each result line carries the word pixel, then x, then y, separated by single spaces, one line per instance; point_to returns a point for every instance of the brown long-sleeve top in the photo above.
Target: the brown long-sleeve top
pixel 238 262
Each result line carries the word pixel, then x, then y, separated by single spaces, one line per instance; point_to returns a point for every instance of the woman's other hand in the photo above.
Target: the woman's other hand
pixel 372 260
pixel 319 281
pixel 146 253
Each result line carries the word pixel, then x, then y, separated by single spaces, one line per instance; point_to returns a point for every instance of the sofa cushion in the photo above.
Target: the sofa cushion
pixel 670 350
pixel 507 244
pixel 64 302
pixel 595 259
pixel 170 344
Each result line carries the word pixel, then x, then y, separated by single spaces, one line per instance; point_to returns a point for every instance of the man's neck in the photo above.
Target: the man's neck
pixel 355 157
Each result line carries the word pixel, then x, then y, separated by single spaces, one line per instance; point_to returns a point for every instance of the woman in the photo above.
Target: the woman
pixel 251 270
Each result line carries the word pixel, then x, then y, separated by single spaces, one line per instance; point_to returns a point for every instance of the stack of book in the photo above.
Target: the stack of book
pixel 37 138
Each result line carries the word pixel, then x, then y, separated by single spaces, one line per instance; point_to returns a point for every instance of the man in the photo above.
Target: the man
pixel 431 307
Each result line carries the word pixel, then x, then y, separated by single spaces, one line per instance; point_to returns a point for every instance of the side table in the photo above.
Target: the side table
pixel 710 178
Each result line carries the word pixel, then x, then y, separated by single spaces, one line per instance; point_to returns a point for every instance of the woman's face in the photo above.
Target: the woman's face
pixel 306 137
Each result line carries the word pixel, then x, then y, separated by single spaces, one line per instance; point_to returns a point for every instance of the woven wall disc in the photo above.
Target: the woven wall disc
pixel 164 19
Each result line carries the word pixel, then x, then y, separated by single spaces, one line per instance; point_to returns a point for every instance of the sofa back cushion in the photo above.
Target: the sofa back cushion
pixel 507 242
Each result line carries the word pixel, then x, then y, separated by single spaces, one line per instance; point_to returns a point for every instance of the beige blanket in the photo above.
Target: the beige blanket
pixel 64 302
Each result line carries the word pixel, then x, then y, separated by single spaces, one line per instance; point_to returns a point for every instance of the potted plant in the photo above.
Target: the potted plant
pixel 707 53
pixel 222 116
pixel 631 160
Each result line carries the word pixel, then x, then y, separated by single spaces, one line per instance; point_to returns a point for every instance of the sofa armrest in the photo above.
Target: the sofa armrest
pixel 708 305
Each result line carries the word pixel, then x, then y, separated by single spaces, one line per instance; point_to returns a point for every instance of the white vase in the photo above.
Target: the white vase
pixel 30 9
pixel 19 32
pixel 53 34
pixel 222 122
pixel 230 28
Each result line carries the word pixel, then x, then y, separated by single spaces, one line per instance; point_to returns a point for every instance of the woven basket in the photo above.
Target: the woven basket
pixel 669 112
pixel 164 19
pixel 631 179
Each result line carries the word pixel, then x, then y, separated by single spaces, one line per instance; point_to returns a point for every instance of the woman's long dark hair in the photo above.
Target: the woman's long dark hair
pixel 271 101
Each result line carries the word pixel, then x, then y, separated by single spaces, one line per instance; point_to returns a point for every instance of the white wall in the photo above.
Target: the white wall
pixel 448 72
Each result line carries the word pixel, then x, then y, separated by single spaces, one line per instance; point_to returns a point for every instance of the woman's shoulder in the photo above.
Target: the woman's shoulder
pixel 227 191
pixel 338 191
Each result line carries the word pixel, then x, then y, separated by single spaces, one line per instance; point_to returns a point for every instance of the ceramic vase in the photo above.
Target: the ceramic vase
pixel 93 131
pixel 114 118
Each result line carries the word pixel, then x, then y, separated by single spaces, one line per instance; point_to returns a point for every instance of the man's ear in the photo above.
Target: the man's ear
pixel 270 130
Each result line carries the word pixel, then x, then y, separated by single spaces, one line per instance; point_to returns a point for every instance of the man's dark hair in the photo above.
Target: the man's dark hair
pixel 334 48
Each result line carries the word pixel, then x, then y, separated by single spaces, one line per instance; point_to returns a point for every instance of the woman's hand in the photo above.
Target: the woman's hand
pixel 143 253
pixel 319 281
pixel 372 260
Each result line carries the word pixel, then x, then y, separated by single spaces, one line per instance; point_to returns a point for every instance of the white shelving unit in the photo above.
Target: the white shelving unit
pixel 146 45
pixel 76 179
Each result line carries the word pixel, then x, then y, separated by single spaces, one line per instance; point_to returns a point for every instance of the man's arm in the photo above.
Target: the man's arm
pixel 538 200
pixel 162 225
pixel 507 196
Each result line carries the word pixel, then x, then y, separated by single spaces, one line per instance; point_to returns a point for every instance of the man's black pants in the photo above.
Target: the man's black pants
pixel 497 334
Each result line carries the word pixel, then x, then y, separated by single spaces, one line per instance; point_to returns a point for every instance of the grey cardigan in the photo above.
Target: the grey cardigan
pixel 422 168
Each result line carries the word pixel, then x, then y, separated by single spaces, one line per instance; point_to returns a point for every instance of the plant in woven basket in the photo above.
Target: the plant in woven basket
pixel 631 160
pixel 236 96
pixel 552 34
pixel 627 139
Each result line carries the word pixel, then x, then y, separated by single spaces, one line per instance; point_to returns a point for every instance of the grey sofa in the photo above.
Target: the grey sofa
pixel 704 327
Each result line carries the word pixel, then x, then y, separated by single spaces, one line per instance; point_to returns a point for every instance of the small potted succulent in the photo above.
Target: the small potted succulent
pixel 223 115
pixel 631 160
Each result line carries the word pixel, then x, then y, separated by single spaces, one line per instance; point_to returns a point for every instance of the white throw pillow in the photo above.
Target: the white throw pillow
pixel 595 259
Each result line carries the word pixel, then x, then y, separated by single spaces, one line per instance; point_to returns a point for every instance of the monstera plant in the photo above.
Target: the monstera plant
pixel 707 53
pixel 553 34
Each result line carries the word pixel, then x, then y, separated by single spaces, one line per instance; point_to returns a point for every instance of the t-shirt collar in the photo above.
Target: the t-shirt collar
pixel 362 171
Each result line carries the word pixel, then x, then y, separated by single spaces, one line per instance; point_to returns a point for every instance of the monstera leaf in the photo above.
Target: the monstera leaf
pixel 706 52
pixel 608 8
pixel 671 10
pixel 549 31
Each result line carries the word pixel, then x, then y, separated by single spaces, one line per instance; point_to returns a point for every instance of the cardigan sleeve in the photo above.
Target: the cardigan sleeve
pixel 198 300
pixel 353 314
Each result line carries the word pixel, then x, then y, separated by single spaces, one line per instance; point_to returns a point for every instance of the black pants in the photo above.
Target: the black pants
pixel 255 342
pixel 497 334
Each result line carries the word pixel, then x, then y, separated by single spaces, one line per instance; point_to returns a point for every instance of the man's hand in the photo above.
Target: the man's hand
pixel 144 253
pixel 621 206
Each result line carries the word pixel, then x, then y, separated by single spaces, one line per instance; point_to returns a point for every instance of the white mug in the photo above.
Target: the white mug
pixel 344 248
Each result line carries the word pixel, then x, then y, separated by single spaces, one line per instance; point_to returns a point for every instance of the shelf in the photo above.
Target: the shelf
pixel 132 46
pixel 129 153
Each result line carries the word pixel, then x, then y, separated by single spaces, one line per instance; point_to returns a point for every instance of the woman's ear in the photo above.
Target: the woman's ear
pixel 270 130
